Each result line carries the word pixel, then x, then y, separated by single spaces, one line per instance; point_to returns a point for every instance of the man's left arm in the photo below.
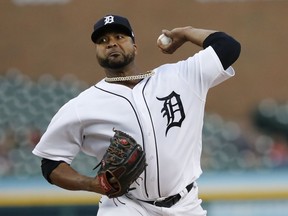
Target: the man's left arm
pixel 226 47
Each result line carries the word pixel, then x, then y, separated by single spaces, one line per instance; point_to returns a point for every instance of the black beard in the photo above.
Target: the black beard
pixel 107 63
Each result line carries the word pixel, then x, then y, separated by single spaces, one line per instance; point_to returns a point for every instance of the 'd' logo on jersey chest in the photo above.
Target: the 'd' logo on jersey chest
pixel 173 110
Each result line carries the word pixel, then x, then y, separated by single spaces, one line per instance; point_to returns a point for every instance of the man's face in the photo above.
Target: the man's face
pixel 115 50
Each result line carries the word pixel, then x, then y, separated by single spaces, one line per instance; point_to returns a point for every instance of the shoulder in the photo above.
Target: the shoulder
pixel 197 58
pixel 76 101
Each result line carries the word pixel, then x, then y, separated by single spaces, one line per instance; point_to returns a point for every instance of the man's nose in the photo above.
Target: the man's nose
pixel 112 43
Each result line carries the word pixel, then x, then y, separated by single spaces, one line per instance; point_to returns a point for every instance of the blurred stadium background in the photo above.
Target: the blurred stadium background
pixel 47 58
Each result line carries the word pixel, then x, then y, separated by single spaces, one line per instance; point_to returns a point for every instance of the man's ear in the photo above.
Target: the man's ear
pixel 135 48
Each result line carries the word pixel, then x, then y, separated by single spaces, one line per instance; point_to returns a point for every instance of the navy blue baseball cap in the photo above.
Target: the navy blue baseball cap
pixel 113 22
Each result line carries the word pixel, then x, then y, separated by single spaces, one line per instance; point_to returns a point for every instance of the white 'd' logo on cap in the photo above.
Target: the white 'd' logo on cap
pixel 108 19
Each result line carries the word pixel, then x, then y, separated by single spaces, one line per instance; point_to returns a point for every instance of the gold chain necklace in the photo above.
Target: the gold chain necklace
pixel 127 78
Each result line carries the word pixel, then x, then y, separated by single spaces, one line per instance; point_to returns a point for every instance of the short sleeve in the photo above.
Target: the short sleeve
pixel 62 139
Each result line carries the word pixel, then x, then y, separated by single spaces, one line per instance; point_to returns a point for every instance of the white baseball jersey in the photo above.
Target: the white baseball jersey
pixel 164 113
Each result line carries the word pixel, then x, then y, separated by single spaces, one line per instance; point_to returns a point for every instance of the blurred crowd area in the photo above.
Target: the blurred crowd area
pixel 27 106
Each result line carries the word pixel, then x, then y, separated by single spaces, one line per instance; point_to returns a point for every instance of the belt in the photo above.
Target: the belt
pixel 171 200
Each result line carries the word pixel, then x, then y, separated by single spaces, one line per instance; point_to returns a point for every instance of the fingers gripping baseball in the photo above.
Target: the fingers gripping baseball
pixel 169 41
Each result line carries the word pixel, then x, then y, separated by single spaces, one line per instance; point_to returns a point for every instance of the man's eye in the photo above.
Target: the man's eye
pixel 120 36
pixel 102 40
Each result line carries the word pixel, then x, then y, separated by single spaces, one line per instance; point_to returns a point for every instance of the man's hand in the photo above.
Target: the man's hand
pixel 182 35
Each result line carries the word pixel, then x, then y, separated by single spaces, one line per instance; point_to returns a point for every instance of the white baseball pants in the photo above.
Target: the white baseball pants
pixel 189 205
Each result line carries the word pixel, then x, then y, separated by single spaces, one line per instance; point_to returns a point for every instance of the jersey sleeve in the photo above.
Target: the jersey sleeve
pixel 62 139
pixel 204 71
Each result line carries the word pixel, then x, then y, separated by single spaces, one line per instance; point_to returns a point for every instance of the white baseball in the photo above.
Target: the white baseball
pixel 164 40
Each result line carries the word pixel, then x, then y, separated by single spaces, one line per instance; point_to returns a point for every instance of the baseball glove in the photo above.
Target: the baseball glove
pixel 121 165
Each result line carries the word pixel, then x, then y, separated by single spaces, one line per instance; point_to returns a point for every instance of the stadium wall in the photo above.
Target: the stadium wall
pixel 40 36
pixel 253 193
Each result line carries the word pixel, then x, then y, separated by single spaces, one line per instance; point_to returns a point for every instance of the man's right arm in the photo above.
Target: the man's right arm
pixel 63 175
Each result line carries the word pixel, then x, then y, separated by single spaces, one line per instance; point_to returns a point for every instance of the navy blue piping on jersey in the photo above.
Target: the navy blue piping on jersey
pixel 155 141
pixel 145 178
